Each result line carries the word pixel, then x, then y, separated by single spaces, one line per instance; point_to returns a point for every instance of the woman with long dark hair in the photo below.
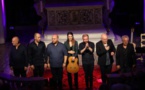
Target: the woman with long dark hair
pixel 72 48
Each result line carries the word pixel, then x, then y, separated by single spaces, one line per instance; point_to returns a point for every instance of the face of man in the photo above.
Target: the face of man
pixel 54 39
pixel 37 37
pixel 85 39
pixel 125 41
pixel 15 41
pixel 104 38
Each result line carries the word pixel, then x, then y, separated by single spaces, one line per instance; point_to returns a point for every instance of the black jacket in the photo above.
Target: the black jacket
pixel 101 52
pixel 18 57
pixel 130 55
pixel 75 48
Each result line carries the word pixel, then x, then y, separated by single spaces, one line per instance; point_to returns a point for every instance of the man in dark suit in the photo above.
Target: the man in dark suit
pixel 125 55
pixel 105 50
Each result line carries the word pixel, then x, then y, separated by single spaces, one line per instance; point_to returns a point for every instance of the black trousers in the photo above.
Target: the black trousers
pixel 57 74
pixel 69 75
pixel 39 71
pixel 19 72
pixel 105 69
pixel 88 69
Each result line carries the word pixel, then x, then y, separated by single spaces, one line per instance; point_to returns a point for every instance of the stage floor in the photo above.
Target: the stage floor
pixel 4 59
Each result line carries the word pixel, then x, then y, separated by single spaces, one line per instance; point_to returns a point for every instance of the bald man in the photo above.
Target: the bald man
pixel 37 55
pixel 18 58
pixel 57 54
pixel 105 50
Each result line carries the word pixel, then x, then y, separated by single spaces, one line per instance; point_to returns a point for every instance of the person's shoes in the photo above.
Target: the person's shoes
pixel 76 87
pixel 60 88
pixel 87 88
pixel 91 88
pixel 71 88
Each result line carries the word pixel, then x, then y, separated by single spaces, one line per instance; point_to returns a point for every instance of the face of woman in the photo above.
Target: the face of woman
pixel 70 37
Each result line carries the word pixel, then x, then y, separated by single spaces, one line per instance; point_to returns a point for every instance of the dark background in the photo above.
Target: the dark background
pixel 125 14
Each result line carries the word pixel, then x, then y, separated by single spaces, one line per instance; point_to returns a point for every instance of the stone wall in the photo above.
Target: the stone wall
pixel 74 16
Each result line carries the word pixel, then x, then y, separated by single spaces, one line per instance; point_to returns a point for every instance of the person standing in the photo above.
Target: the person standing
pixel 72 50
pixel 37 55
pixel 57 54
pixel 105 50
pixel 18 60
pixel 125 55
pixel 87 51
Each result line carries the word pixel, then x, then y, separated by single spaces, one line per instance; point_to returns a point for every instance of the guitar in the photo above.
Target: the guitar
pixel 131 40
pixel 72 66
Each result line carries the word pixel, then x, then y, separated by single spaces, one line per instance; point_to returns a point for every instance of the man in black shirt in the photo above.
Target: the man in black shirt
pixel 87 50
pixel 37 57
pixel 125 55
pixel 18 58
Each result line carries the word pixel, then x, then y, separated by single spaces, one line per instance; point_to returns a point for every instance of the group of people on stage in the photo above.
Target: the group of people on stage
pixel 55 57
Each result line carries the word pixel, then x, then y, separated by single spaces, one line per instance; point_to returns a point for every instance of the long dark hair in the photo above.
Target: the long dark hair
pixel 73 40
